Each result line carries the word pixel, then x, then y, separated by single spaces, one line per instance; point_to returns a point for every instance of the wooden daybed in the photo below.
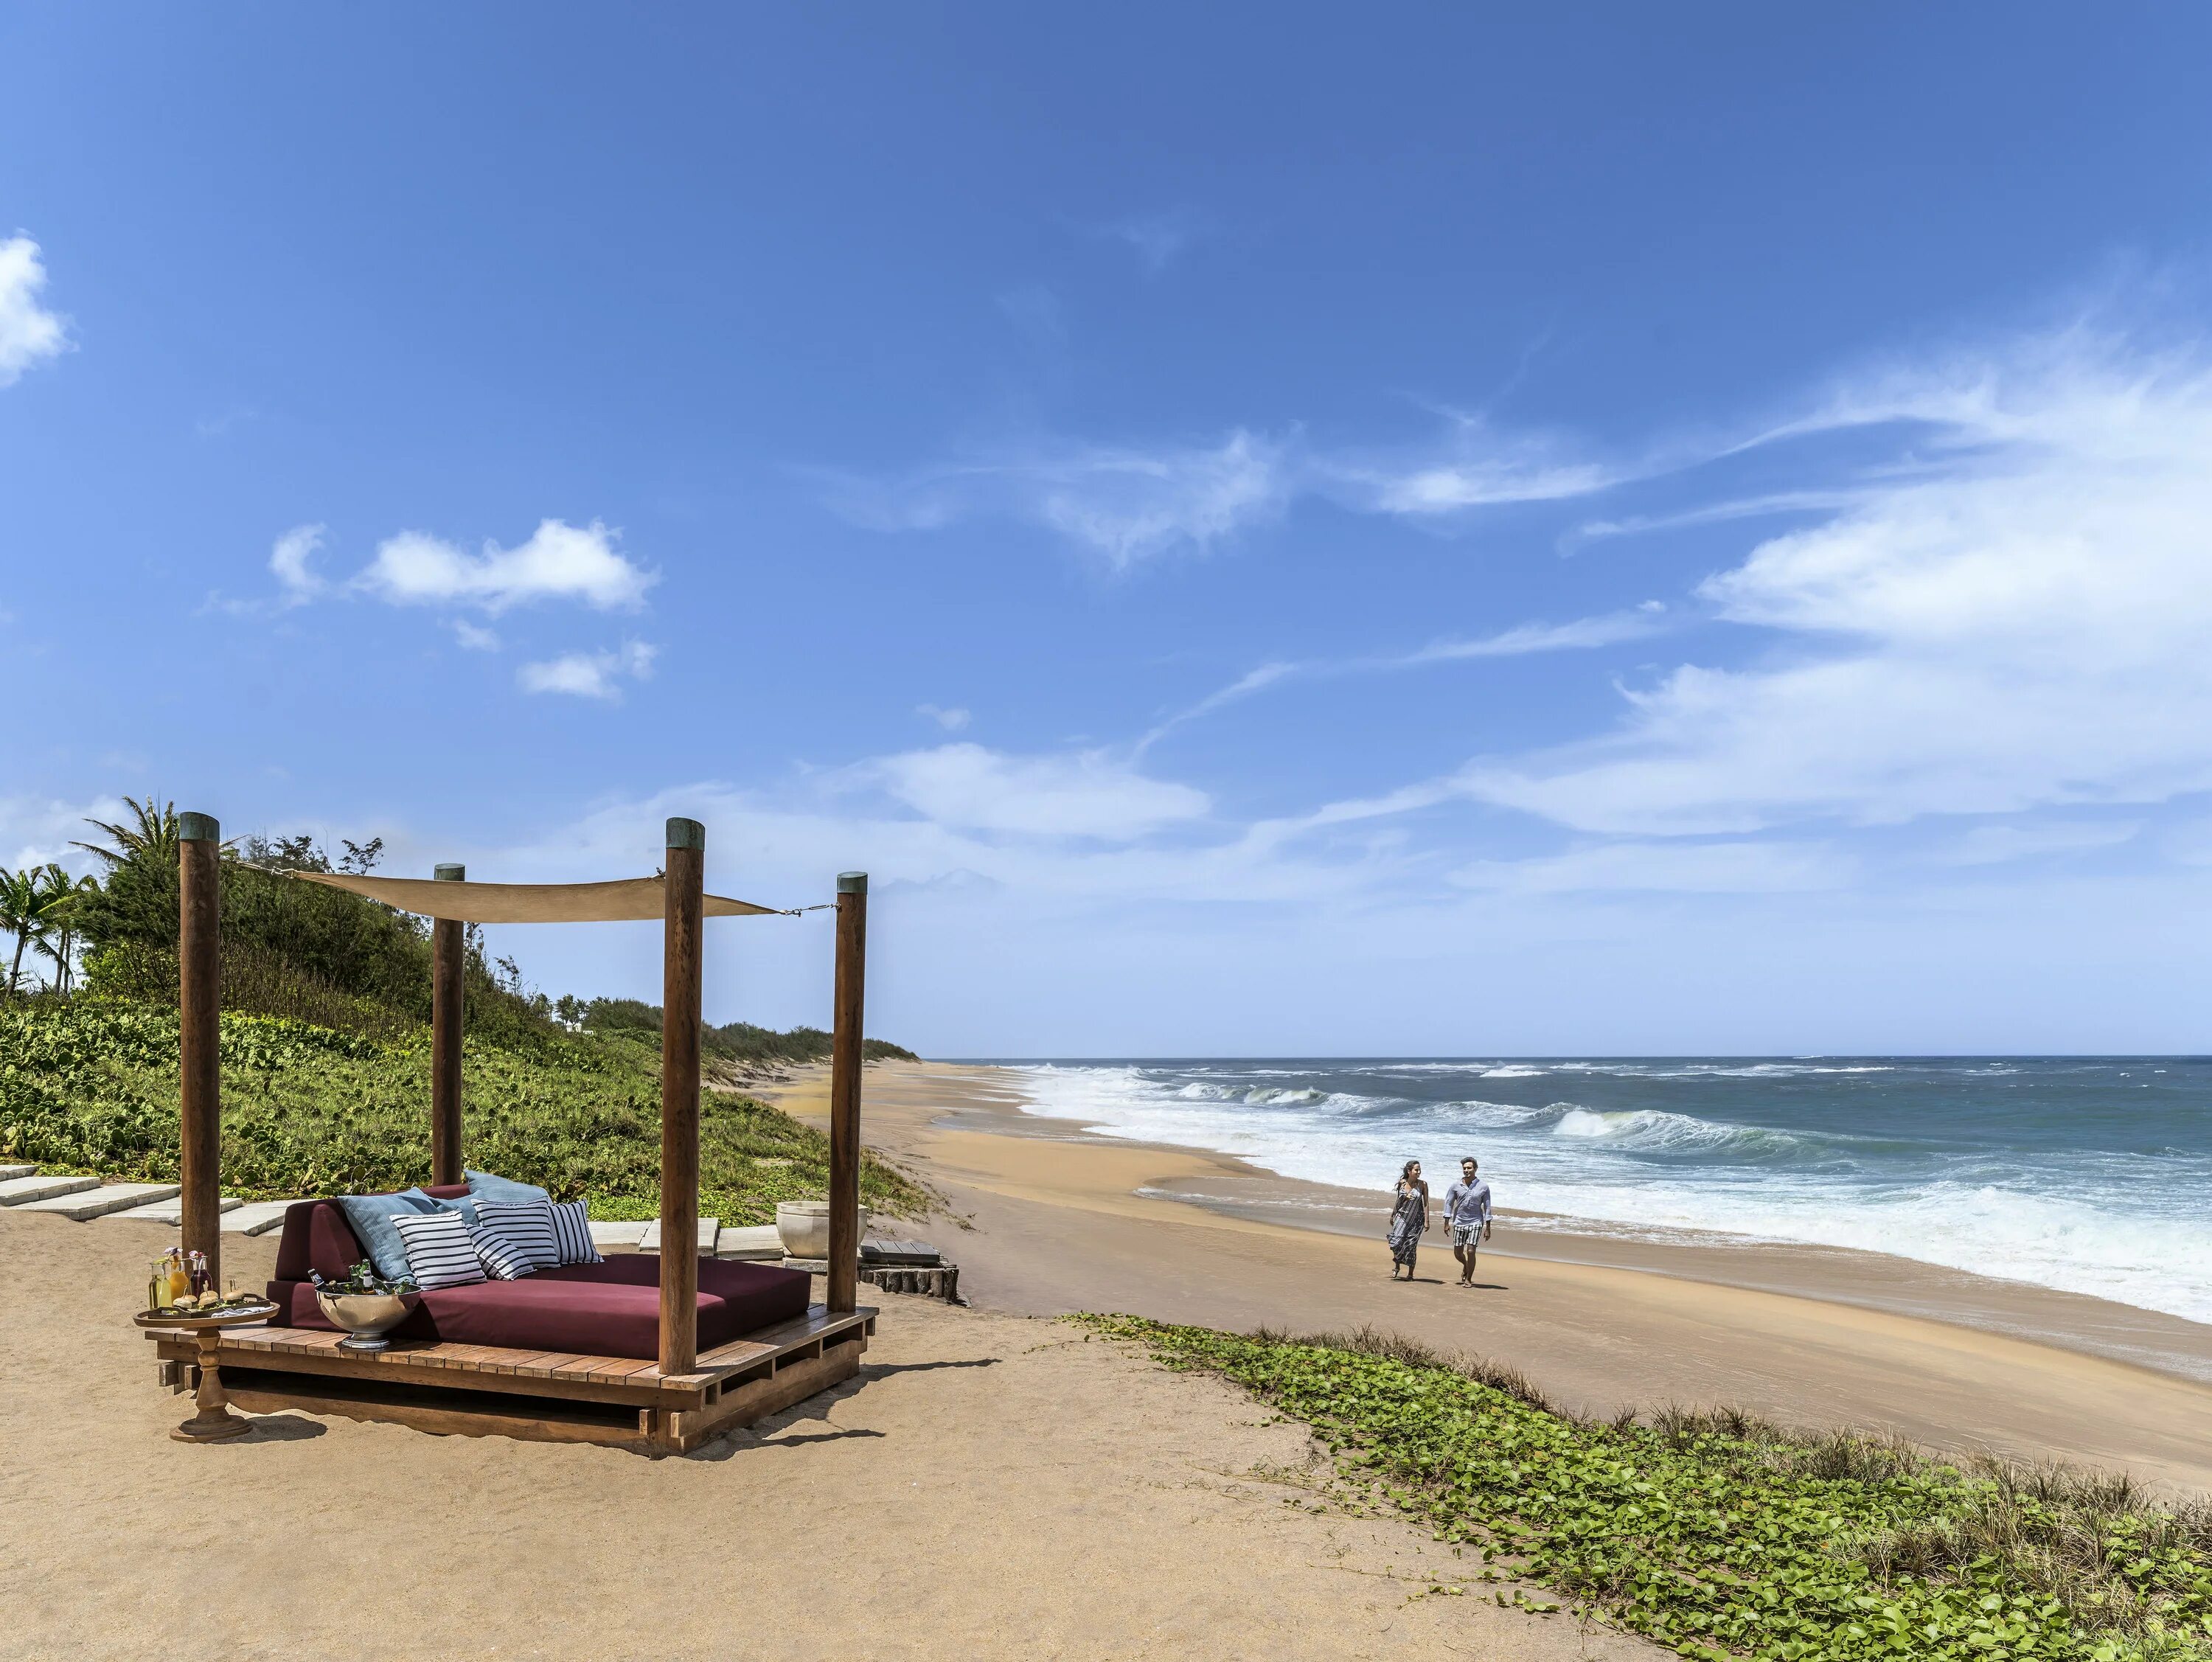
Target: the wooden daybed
pixel 605 1353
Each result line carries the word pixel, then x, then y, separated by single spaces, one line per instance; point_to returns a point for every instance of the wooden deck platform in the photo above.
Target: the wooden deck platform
pixel 480 1391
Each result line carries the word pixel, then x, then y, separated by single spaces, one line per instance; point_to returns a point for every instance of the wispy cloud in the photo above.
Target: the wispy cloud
pixel 1733 867
pixel 1132 504
pixel 1157 238
pixel 1127 505
pixel 1606 629
pixel 1745 508
pixel 29 333
pixel 289 563
pixel 590 675
pixel 951 720
pixel 2016 623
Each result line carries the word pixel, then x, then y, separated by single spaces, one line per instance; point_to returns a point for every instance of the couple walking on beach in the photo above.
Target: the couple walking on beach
pixel 1466 1214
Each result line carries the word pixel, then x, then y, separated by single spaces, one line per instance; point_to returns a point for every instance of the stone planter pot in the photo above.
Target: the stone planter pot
pixel 803 1228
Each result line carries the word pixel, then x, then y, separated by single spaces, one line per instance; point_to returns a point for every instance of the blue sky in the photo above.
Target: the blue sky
pixel 1265 531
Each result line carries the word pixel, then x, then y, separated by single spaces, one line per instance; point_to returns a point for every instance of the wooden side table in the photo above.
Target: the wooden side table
pixel 214 1420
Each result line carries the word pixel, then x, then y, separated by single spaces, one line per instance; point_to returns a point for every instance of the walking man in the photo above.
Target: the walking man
pixel 1466 1210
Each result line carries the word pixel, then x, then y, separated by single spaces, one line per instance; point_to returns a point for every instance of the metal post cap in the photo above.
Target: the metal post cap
pixel 852 882
pixel 686 834
pixel 450 873
pixel 198 828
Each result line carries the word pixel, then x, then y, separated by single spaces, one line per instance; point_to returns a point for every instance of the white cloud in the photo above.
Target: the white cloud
pixel 1671 868
pixel 1087 793
pixel 560 562
pixel 474 637
pixel 590 675
pixel 2021 627
pixel 950 719
pixel 29 334
pixel 289 560
pixel 36 830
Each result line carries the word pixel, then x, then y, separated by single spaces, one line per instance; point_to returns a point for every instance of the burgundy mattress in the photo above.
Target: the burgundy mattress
pixel 609 1309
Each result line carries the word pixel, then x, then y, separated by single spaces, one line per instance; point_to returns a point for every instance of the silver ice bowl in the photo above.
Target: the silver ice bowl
pixel 367 1317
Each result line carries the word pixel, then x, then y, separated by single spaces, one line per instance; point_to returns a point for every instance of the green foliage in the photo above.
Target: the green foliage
pixel 91 1084
pixel 1721 1537
pixel 738 1041
pixel 289 948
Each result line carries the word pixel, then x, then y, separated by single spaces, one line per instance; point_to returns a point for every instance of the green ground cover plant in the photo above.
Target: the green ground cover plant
pixel 90 1084
pixel 1721 1536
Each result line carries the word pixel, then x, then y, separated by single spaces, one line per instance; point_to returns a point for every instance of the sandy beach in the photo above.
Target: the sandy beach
pixel 1051 1219
pixel 989 1486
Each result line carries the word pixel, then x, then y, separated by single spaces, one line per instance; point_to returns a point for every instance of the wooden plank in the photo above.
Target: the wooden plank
pixel 446 1419
pixel 688 1428
pixel 367 1370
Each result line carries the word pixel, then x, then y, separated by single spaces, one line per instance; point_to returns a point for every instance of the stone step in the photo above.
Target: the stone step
pixel 7 1171
pixel 708 1229
pixel 170 1211
pixel 617 1237
pixel 754 1243
pixel 255 1217
pixel 21 1191
pixel 101 1198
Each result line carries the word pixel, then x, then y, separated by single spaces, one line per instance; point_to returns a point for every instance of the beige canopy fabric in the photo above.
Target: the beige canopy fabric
pixel 526 903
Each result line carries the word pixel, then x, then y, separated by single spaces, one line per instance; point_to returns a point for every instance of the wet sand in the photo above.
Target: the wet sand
pixel 1051 1219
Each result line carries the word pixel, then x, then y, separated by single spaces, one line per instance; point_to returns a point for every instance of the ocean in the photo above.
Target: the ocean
pixel 2089 1174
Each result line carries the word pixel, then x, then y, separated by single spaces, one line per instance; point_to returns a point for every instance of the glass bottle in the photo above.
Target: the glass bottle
pixel 157 1286
pixel 180 1280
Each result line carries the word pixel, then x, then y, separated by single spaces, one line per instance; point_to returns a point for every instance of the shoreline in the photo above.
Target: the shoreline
pixel 1055 1218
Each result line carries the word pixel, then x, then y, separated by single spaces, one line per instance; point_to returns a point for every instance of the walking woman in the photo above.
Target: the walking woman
pixel 1409 1220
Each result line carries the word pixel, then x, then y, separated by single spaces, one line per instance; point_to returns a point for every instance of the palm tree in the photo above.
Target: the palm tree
pixel 152 837
pixel 22 913
pixel 59 900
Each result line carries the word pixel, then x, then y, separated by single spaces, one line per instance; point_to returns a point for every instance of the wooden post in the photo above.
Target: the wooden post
pixel 845 1092
pixel 199 1002
pixel 682 929
pixel 446 956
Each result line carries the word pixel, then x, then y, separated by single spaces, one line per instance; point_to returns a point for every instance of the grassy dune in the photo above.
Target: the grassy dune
pixel 90 1084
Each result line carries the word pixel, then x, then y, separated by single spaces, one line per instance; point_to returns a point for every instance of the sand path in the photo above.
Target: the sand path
pixel 989 1487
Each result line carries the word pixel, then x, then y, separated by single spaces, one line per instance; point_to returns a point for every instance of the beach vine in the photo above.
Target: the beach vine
pixel 1722 1536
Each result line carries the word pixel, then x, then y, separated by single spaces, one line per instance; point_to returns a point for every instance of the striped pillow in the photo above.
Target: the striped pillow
pixel 439 1250
pixel 573 1230
pixel 515 1237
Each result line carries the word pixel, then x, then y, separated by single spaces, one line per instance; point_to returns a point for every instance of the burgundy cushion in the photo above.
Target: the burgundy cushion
pixel 445 1190
pixel 609 1309
pixel 317 1237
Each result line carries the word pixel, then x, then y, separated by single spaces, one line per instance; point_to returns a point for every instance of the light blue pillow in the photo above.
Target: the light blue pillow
pixel 371 1216
pixel 484 1186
